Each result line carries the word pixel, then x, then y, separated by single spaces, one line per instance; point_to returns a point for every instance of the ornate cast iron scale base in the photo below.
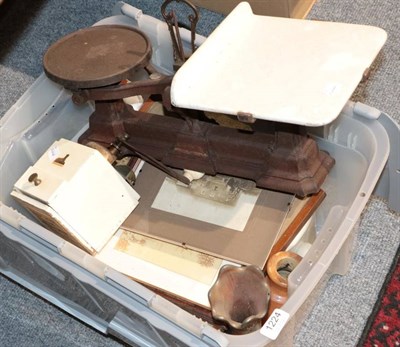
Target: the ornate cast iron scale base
pixel 93 62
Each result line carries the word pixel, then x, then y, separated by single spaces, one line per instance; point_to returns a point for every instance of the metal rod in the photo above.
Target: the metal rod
pixel 155 162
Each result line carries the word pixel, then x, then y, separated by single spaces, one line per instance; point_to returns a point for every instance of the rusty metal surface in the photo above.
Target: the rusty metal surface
pixel 97 56
pixel 277 160
pixel 94 61
pixel 171 19
pixel 146 87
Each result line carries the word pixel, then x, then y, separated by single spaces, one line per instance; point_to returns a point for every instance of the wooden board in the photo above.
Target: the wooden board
pixel 301 211
pixel 259 234
pixel 304 211
pixel 278 8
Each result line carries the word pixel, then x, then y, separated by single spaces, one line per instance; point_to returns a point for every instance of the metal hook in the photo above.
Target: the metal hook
pixel 172 23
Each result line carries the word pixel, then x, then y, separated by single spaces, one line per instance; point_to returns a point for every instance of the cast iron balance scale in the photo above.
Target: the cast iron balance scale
pixel 98 64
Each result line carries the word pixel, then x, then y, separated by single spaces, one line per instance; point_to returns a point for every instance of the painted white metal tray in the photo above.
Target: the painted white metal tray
pixel 279 69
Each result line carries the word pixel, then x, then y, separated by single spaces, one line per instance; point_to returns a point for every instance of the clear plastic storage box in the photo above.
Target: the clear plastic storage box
pixel 364 142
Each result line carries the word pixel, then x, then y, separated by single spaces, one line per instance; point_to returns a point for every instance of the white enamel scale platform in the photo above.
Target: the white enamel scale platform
pixel 279 69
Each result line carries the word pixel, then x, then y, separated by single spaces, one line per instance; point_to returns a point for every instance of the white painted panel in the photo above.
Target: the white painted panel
pixel 86 192
pixel 280 69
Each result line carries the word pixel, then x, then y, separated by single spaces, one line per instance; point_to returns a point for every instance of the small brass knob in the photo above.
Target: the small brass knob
pixel 35 179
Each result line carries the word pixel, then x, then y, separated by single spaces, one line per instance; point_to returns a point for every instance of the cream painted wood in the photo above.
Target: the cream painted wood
pixel 172 278
pixel 86 192
pixel 287 70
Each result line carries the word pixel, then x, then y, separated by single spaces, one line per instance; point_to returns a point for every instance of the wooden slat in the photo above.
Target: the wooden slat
pixel 299 221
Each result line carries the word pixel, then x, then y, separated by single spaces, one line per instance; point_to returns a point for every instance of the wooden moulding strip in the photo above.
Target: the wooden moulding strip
pixel 300 8
pixel 298 222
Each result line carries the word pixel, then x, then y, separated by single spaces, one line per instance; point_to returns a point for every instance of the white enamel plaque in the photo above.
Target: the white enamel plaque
pixel 280 69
